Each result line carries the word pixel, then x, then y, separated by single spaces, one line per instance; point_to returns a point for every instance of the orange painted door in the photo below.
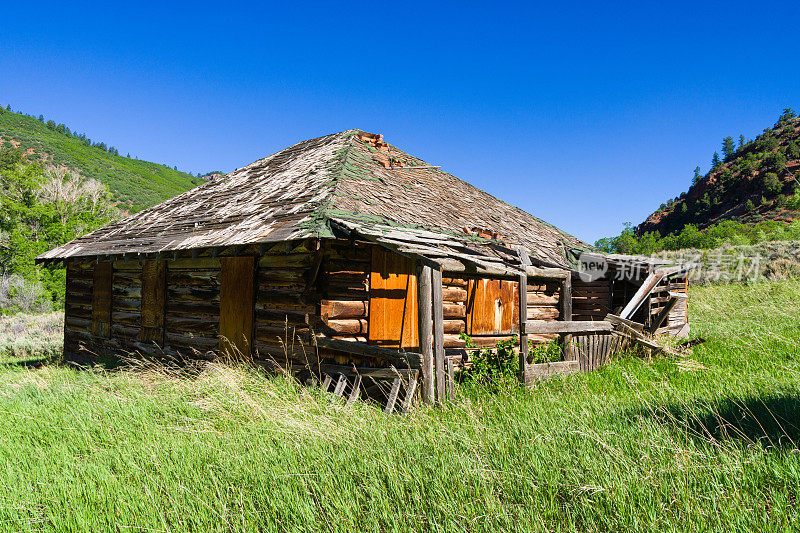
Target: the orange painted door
pixel 393 300
pixel 236 305
pixel 492 307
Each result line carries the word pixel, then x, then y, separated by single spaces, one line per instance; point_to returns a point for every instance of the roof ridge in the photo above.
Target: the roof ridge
pixel 337 167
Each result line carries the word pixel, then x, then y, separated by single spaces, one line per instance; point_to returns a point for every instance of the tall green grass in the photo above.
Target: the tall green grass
pixel 705 442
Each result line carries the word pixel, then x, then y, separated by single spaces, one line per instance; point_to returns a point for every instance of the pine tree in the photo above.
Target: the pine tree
pixel 697 176
pixel 788 114
pixel 741 141
pixel 728 148
pixel 715 160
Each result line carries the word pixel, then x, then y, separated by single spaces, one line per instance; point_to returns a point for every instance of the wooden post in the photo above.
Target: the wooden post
pixel 451 380
pixel 438 333
pixel 566 311
pixel 425 306
pixel 523 333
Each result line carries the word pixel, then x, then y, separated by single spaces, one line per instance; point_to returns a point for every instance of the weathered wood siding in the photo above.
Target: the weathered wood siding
pixel 299 289
pixel 591 300
pixel 192 308
pixel 678 316
pixel 492 307
pixel 78 307
pixel 286 301
pixel 236 303
pixel 126 302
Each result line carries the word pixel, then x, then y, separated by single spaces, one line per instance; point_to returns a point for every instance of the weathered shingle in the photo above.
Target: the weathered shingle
pixel 303 190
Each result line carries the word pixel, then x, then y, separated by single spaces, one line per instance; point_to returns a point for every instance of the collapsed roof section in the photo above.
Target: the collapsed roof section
pixel 349 183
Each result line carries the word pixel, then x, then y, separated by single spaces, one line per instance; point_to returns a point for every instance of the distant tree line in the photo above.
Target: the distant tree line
pixel 65 130
pixel 728 232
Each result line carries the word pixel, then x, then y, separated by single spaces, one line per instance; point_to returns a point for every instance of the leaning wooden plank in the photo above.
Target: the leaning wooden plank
pixel 639 338
pixel 393 395
pixel 615 320
pixel 340 384
pixel 644 291
pixel 326 382
pixel 399 359
pixel 662 315
pixel 411 388
pixel 355 391
pixel 538 327
pixel 545 370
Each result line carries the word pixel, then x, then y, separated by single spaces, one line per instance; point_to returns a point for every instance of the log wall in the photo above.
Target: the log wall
pixel 544 303
pixel 302 289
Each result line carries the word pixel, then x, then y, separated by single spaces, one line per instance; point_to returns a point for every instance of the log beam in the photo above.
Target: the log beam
pixel 425 308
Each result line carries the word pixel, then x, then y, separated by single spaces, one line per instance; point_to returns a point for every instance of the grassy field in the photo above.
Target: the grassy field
pixel 706 442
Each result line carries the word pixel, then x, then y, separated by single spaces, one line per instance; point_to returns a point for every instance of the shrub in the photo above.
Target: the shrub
pixel 775 162
pixel 771 184
pixel 493 364
pixel 18 295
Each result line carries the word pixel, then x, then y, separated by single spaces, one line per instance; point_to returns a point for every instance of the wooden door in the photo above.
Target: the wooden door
pixel 393 300
pixel 492 307
pixel 154 296
pixel 236 304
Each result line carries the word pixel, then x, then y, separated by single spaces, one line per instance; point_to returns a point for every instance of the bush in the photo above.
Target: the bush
pixel 493 364
pixel 18 295
pixel 771 184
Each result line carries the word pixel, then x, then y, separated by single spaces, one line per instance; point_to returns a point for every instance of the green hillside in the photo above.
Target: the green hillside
pixel 135 183
pixel 753 181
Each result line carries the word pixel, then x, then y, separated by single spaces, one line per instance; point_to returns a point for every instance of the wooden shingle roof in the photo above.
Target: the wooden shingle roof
pixel 349 181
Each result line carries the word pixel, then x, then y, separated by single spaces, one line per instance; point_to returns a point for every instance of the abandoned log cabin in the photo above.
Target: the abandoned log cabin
pixel 344 250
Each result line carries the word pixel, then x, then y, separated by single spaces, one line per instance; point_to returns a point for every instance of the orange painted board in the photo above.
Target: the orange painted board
pixel 393 300
pixel 492 307
pixel 237 302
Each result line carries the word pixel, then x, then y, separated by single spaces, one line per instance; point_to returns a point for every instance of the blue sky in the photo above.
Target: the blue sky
pixel 586 115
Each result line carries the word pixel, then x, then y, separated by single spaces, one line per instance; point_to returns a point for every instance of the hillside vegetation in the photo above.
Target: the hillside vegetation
pixel 726 233
pixel 752 181
pixel 134 184
pixel 40 209
pixel 706 442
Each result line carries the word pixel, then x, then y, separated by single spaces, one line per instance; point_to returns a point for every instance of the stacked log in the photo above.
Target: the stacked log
pixel 78 308
pixel 344 287
pixel 285 302
pixel 454 301
pixel 544 303
pixel 126 300
pixel 191 319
